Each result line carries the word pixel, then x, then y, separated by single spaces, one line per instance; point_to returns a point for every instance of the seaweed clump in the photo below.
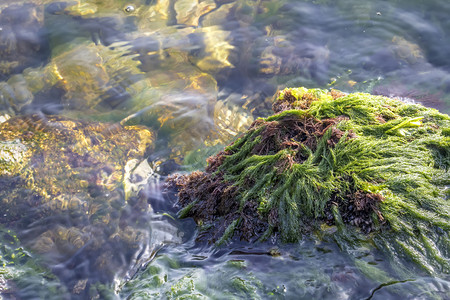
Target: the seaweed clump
pixel 368 165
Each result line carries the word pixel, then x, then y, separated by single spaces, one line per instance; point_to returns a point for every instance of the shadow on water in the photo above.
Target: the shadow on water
pixel 197 73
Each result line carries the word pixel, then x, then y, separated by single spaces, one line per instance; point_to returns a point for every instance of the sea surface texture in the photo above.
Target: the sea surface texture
pixel 101 101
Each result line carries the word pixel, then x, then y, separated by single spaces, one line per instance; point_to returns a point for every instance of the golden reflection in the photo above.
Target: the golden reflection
pixel 217 49
pixel 189 11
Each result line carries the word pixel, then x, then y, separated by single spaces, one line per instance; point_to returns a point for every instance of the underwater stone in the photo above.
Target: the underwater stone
pixel 68 182
pixel 189 12
pixel 372 167
pixel 58 159
pixel 23 40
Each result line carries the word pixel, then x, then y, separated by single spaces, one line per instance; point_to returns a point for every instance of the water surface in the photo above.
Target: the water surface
pixel 198 73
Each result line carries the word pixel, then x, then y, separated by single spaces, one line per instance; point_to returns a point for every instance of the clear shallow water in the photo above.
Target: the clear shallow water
pixel 198 73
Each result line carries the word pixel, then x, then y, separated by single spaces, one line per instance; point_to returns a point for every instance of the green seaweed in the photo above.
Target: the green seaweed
pixel 324 153
pixel 20 269
pixel 170 279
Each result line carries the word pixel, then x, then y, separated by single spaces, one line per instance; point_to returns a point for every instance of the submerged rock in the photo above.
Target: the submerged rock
pixel 69 189
pixel 23 40
pixel 373 168
pixel 161 64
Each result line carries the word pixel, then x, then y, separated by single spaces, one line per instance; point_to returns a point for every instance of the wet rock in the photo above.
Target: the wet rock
pixel 376 168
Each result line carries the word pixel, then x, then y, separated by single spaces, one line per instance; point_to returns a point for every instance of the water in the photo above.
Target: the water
pixel 197 73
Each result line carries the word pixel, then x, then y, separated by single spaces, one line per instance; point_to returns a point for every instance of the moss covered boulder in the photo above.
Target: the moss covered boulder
pixel 351 166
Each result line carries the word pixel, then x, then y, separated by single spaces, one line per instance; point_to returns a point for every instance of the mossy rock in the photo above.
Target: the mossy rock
pixel 373 168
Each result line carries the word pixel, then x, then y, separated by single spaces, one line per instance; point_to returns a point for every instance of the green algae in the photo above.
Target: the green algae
pixel 375 167
pixel 22 271
pixel 167 278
